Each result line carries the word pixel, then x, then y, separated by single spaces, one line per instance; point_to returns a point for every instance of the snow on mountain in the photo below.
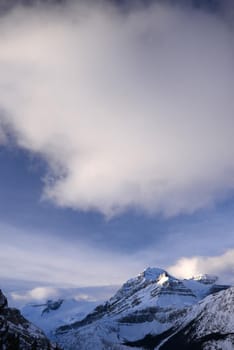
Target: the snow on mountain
pixel 152 286
pixel 16 333
pixel 205 279
pixel 149 304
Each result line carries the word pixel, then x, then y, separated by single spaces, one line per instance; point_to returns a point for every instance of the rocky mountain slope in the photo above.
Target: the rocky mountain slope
pixel 208 325
pixel 148 307
pixel 16 333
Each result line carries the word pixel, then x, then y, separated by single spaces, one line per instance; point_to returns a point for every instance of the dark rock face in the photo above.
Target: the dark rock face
pixel 16 333
pixel 3 300
pixel 150 341
pixel 184 340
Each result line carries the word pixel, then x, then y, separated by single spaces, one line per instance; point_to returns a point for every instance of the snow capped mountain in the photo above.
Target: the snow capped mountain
pixel 150 304
pixel 150 287
pixel 16 333
pixel 153 310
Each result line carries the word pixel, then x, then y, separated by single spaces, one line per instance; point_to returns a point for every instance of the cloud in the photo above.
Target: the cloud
pixel 45 293
pixel 129 109
pixel 42 294
pixel 222 266
pixel 36 294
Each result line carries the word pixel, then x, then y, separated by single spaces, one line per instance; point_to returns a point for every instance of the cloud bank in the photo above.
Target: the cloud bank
pixel 24 295
pixel 222 266
pixel 128 109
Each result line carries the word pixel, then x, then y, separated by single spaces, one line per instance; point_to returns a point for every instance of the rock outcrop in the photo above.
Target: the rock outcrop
pixel 16 333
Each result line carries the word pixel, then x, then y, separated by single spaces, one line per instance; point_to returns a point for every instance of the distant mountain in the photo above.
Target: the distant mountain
pixel 54 313
pixel 16 333
pixel 146 310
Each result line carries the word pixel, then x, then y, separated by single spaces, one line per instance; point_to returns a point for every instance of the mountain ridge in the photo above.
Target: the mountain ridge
pixel 154 303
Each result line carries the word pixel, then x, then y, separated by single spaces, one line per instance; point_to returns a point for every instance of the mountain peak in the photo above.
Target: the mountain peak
pixel 205 278
pixel 153 273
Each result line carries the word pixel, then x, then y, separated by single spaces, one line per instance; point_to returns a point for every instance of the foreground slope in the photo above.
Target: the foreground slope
pixel 208 326
pixel 150 304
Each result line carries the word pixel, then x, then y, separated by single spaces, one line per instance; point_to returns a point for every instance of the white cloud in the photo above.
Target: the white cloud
pixel 35 294
pixel 128 109
pixel 41 294
pixel 222 266
pixel 85 297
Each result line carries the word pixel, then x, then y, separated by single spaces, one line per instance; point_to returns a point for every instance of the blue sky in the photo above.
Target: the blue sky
pixel 116 153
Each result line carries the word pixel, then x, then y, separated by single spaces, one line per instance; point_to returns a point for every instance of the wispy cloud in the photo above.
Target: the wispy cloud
pixel 129 109
pixel 40 263
pixel 49 261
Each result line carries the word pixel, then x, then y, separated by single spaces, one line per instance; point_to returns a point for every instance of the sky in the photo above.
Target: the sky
pixel 116 141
